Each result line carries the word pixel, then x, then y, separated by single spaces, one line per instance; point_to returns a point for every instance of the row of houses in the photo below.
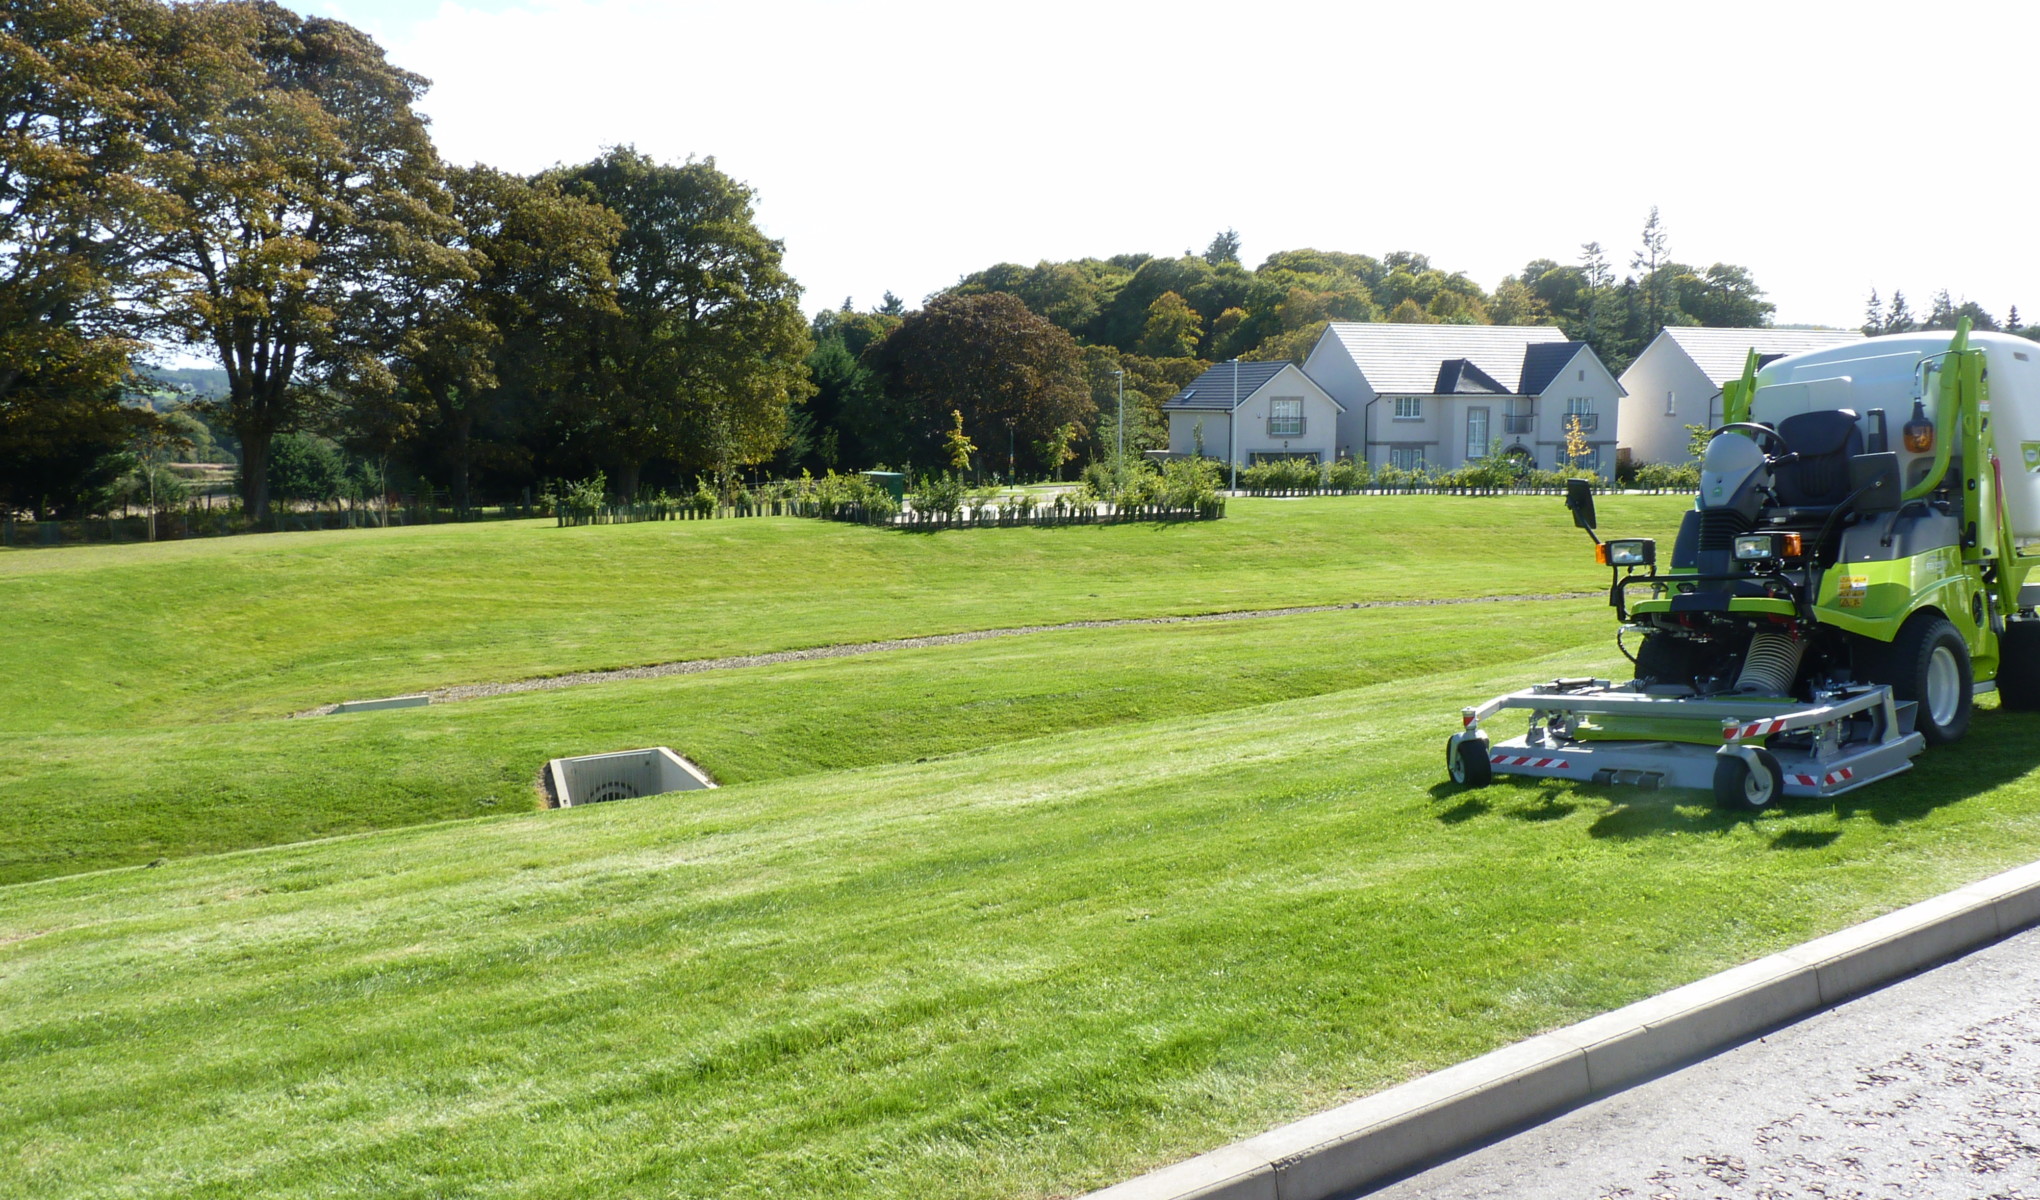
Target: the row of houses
pixel 1438 396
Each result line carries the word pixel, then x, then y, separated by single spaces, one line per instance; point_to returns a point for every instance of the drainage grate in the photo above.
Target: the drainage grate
pixel 596 778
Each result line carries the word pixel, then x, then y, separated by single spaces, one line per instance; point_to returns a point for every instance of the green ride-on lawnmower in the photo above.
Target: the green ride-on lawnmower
pixel 1836 597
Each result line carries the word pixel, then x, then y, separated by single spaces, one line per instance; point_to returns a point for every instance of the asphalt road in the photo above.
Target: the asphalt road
pixel 1928 1088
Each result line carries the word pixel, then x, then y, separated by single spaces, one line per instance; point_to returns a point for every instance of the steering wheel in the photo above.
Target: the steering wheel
pixel 1762 431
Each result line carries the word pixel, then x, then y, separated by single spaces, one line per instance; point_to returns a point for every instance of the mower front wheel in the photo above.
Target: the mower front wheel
pixel 1738 788
pixel 1466 760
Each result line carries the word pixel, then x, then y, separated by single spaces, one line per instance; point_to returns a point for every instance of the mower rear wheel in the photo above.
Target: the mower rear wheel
pixel 1740 789
pixel 1466 760
pixel 1928 662
pixel 2018 678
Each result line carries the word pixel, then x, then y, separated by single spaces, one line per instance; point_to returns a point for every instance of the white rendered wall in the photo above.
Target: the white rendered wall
pixel 1664 366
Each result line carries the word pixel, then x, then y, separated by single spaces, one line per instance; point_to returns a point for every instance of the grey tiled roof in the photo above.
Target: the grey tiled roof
pixel 1542 363
pixel 1220 388
pixel 1405 358
pixel 1720 352
pixel 1459 376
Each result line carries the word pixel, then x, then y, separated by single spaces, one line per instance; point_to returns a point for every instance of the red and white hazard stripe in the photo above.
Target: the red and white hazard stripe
pixel 1737 733
pixel 1525 760
pixel 1839 775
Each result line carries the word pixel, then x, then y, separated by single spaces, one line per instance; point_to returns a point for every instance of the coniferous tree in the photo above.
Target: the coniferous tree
pixel 1651 257
pixel 1898 317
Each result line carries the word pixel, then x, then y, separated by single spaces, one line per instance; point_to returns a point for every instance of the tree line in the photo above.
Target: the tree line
pixel 1137 328
pixel 255 186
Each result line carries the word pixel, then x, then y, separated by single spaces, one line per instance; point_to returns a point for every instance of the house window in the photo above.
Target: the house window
pixel 1671 404
pixel 1519 415
pixel 1582 409
pixel 1406 458
pixel 1409 408
pixel 1476 433
pixel 1583 374
pixel 1590 461
pixel 1285 417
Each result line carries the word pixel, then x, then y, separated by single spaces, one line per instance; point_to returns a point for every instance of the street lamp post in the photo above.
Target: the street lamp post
pixel 1120 375
pixel 1232 429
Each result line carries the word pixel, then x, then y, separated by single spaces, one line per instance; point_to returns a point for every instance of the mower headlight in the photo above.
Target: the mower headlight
pixel 1763 547
pixel 1630 552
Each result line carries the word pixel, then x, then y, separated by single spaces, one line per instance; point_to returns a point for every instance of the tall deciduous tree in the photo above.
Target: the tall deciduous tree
pixel 1172 329
pixel 1010 373
pixel 541 274
pixel 1725 297
pixel 708 349
pixel 301 191
pixel 74 86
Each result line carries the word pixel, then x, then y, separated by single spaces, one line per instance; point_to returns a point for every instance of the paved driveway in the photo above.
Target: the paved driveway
pixel 1929 1088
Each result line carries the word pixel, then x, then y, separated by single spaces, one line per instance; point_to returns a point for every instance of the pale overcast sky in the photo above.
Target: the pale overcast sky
pixel 1828 147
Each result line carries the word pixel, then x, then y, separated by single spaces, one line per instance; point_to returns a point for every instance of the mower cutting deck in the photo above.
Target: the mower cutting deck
pixel 1749 750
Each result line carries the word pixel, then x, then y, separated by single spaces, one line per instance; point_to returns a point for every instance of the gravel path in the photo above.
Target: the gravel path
pixel 471 691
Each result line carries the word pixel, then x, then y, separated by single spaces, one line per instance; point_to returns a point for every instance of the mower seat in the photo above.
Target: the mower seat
pixel 1810 484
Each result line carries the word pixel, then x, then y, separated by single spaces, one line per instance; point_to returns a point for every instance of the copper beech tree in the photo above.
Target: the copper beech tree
pixel 1012 376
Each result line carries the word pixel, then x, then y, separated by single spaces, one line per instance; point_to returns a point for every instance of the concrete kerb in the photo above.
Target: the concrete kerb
pixel 1384 1136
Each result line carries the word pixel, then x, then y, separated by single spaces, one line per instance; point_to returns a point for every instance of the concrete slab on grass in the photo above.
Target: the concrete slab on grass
pixel 354 706
pixel 1373 1140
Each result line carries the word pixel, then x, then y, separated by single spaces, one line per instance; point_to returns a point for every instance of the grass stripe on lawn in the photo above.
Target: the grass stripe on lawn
pixel 1021 970
pixel 89 800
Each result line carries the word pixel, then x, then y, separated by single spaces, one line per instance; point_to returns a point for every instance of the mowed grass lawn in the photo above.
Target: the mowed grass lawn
pixel 191 631
pixel 1012 918
pixel 142 684
pixel 104 798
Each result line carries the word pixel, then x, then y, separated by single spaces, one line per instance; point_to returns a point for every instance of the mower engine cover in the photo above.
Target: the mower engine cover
pixel 1730 473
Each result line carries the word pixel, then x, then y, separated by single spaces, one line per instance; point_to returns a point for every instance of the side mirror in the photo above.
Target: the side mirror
pixel 1579 497
pixel 1876 481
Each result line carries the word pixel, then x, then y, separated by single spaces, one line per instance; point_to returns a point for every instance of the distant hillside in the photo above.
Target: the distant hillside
pixel 177 385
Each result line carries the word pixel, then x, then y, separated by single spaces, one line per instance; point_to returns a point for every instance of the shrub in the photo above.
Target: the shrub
pixel 1668 477
pixel 1190 482
pixel 942 493
pixel 1347 475
pixel 1392 477
pixel 303 466
pixel 583 497
pixel 1283 474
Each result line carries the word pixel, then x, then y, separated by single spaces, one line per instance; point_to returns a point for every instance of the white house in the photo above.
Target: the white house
pixel 1677 381
pixel 1268 410
pixel 1440 395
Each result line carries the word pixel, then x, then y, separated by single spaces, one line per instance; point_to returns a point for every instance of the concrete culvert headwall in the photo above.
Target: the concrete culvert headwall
pixel 626 775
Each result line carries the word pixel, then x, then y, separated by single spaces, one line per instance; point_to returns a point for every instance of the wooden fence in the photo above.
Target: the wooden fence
pixel 987 517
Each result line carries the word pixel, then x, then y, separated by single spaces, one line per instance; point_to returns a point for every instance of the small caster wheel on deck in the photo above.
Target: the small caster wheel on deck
pixel 1467 761
pixel 1738 788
